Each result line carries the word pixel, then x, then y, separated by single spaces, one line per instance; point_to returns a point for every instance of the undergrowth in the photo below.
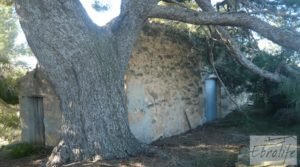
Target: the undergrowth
pixel 19 150
pixel 262 123
pixel 9 123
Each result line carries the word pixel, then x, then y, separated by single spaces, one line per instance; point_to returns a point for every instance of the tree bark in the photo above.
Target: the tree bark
pixel 86 65
pixel 288 39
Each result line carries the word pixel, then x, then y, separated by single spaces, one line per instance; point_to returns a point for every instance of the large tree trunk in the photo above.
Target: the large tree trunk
pixel 86 66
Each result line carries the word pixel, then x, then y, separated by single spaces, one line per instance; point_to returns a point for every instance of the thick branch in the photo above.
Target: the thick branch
pixel 288 39
pixel 128 25
pixel 241 59
pixel 234 48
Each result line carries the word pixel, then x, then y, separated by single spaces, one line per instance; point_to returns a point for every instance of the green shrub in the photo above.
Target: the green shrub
pixel 290 89
pixel 9 119
pixel 20 150
pixel 287 117
pixel 9 88
pixel 9 122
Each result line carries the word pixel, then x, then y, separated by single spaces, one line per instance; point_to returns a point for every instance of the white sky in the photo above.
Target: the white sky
pixel 101 18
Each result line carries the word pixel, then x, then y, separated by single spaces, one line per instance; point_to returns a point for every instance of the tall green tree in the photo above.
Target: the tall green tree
pixel 8 32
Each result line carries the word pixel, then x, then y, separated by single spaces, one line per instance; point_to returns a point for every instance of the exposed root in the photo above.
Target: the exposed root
pixel 62 154
pixel 59 156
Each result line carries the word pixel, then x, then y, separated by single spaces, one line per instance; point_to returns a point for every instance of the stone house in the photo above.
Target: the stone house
pixel 165 87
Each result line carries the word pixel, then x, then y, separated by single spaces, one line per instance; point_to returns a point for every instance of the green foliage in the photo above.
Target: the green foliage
pixel 7 2
pixel 9 122
pixel 8 32
pixel 8 93
pixel 20 150
pixel 290 8
pixel 236 78
pixel 9 86
pixel 287 117
pixel 222 157
pixel 291 90
pixel 9 74
pixel 265 93
pixel 262 123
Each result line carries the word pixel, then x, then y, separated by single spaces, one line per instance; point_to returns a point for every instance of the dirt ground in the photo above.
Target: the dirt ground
pixel 212 145
pixel 205 146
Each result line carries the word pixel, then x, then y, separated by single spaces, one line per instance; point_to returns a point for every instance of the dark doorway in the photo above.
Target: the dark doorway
pixel 38 118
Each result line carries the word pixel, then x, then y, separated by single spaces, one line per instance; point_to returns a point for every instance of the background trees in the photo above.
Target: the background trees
pixel 245 46
pixel 9 72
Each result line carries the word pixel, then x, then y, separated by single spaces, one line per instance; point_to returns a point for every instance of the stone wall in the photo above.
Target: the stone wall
pixel 35 85
pixel 164 87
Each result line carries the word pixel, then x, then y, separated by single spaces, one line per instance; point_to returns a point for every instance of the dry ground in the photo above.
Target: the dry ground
pixel 209 145
pixel 212 145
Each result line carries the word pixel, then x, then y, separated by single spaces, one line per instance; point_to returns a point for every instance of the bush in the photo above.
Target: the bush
pixel 10 84
pixel 20 150
pixel 287 117
pixel 9 119
pixel 9 122
pixel 9 90
pixel 291 89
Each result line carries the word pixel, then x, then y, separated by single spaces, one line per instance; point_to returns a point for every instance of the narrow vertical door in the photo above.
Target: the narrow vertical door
pixel 38 114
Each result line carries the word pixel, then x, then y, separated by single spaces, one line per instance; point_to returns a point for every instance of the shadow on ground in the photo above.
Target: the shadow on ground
pixel 212 145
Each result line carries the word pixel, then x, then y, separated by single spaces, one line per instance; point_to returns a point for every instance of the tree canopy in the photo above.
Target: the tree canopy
pixel 8 50
pixel 8 32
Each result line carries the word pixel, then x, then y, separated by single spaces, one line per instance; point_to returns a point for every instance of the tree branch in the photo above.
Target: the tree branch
pixel 127 26
pixel 288 39
pixel 236 53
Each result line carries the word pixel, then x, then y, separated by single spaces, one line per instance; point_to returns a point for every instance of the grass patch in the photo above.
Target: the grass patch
pixel 9 119
pixel 19 150
pixel 216 159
